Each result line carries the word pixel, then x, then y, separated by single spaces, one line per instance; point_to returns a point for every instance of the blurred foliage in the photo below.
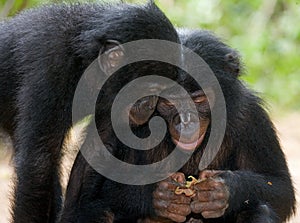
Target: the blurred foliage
pixel 266 32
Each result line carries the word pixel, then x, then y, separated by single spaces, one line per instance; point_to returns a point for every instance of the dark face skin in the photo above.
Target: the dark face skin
pixel 210 200
pixel 186 123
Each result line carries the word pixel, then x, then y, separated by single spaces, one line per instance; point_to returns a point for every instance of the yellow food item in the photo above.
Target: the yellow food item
pixel 187 188
pixel 192 182
pixel 188 192
pixel 270 183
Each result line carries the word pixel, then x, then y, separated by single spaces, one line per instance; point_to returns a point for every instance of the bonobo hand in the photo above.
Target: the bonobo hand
pixel 142 110
pixel 211 199
pixel 169 205
pixel 164 220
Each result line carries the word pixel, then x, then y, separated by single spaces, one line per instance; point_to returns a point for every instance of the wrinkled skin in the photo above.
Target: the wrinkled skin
pixel 169 205
pixel 163 220
pixel 210 200
pixel 212 195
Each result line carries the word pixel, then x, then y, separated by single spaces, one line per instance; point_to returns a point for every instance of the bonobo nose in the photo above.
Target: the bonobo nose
pixel 185 118
pixel 188 132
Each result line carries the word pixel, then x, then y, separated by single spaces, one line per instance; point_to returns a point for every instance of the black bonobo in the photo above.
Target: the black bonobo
pixel 44 53
pixel 248 180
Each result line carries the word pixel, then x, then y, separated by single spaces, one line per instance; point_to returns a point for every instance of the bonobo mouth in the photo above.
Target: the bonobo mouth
pixel 189 146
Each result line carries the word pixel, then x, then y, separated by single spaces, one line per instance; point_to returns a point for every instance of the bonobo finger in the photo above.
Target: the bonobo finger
pixel 196 207
pixel 162 194
pixel 179 209
pixel 206 196
pixel 199 207
pixel 210 184
pixel 181 199
pixel 168 184
pixel 160 204
pixel 213 214
pixel 178 177
pixel 173 217
pixel 171 197
pixel 209 173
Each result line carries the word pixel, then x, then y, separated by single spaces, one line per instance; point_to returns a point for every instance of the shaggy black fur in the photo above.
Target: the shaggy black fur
pixel 254 165
pixel 43 53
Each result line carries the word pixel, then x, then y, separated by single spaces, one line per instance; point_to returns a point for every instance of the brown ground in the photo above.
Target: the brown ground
pixel 289 133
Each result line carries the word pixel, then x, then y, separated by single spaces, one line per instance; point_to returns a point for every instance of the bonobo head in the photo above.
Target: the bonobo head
pixel 187 119
pixel 126 24
pixel 120 24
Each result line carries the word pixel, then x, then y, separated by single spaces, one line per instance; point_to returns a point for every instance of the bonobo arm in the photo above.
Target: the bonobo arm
pixel 39 136
pixel 81 203
pixel 260 189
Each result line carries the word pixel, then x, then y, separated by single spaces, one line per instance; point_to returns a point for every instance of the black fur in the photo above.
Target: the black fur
pixel 256 171
pixel 250 150
pixel 43 53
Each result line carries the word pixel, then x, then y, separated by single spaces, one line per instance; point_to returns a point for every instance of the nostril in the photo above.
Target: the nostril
pixel 183 126
pixel 185 123
pixel 185 118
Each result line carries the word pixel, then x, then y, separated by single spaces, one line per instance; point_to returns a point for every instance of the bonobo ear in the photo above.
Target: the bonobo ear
pixel 111 56
pixel 232 63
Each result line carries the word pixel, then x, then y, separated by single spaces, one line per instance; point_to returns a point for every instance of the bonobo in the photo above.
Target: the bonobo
pixel 247 181
pixel 43 54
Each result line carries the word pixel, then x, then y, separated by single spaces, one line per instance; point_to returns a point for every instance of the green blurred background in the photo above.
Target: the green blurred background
pixel 266 32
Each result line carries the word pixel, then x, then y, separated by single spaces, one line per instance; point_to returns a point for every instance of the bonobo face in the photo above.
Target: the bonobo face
pixel 186 123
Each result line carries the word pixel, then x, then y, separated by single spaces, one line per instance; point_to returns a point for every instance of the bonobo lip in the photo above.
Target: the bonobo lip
pixel 189 146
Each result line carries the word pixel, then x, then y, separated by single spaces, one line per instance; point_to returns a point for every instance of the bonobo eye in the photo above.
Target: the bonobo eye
pixel 166 103
pixel 110 56
pixel 198 96
pixel 199 99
